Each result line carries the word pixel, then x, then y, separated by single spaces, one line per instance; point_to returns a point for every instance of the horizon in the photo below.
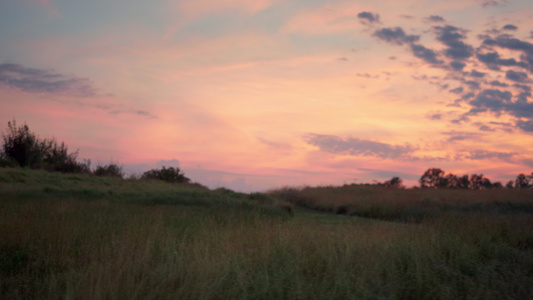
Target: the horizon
pixel 256 95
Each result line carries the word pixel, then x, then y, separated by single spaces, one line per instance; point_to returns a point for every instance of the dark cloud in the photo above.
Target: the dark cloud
pixel 473 84
pixel 452 37
pixel 482 154
pixel 494 62
pixel 510 27
pixel 509 42
pixel 526 88
pixel 355 146
pixel 525 125
pixel 477 74
pixel 491 99
pixel 500 102
pixel 457 65
pixel 395 36
pixel 426 54
pixel 368 17
pixel 435 19
pixel 497 83
pixel 43 81
pixel 458 90
pixel 484 127
pixel 516 76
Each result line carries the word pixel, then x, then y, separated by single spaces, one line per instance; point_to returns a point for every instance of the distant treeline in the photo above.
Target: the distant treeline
pixel 22 148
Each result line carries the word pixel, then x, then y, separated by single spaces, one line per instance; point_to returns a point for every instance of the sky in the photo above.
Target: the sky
pixel 259 94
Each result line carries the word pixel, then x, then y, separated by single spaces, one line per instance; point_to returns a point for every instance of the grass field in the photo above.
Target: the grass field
pixel 80 237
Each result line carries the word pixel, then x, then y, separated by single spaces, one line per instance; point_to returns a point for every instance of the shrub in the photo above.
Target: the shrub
pixel 166 174
pixel 111 170
pixel 23 147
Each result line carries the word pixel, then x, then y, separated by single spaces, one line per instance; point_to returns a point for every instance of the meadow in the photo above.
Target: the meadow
pixel 65 236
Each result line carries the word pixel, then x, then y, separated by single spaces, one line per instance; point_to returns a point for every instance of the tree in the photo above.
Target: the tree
pixel 20 144
pixel 433 178
pixel 522 181
pixel 27 150
pixel 169 175
pixel 478 182
pixel 394 182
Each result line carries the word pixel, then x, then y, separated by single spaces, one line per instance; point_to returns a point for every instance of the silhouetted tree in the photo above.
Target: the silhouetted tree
pixel 111 170
pixel 169 175
pixel 463 182
pixel 479 182
pixel 394 182
pixel 451 181
pixel 26 149
pixel 433 178
pixel 20 144
pixel 522 181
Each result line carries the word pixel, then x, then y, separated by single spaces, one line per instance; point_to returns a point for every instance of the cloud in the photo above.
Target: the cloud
pixel 33 80
pixel 457 65
pixel 452 37
pixel 369 17
pixel 367 76
pixel 436 116
pixel 395 36
pixel 473 84
pixel 492 99
pixel 509 27
pixel 511 43
pixel 516 76
pixel 460 135
pixel 142 113
pixel 499 102
pixel 477 74
pixel 494 62
pixel 357 147
pixel 492 3
pixel 525 125
pixel 458 90
pixel 482 154
pixel 498 83
pixel 435 19
pixel 426 54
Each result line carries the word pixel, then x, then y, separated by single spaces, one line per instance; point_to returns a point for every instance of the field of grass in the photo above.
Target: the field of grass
pixel 80 237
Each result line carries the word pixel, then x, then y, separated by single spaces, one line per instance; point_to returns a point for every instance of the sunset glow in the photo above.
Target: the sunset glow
pixel 254 95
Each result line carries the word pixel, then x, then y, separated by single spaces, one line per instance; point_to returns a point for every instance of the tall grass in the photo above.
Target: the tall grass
pixel 411 205
pixel 104 246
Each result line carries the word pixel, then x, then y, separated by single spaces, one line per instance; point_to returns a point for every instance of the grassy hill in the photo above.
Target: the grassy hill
pixel 85 237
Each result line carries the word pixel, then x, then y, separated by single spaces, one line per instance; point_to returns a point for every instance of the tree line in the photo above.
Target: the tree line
pixel 437 178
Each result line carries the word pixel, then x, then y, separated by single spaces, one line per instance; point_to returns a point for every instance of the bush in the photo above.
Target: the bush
pixel 23 147
pixel 169 175
pixel 111 170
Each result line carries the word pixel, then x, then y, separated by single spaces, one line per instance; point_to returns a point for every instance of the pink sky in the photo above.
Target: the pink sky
pixel 254 95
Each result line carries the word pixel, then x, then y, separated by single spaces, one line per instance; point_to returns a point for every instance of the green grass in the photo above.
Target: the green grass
pixel 78 237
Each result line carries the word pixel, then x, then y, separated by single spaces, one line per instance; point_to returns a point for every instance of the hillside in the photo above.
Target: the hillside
pixel 86 237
